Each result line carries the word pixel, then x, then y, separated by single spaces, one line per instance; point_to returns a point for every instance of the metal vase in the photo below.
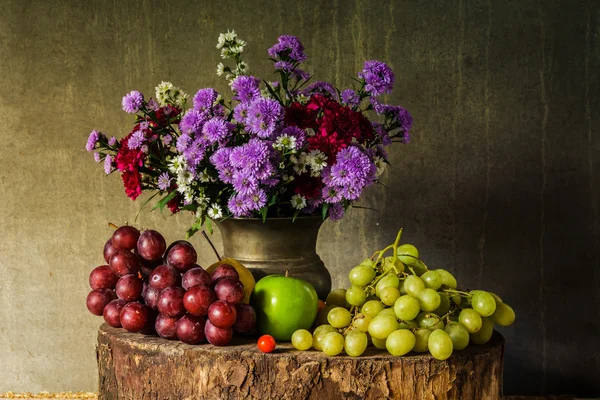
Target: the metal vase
pixel 276 246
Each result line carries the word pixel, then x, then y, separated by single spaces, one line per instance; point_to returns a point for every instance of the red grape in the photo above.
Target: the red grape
pixel 103 277
pixel 150 295
pixel 190 329
pixel 230 289
pixel 222 314
pixel 97 299
pixel 134 316
pixel 166 327
pixel 109 250
pixel 198 299
pixel 151 245
pixel 124 262
pixel 170 302
pixel 125 238
pixel 164 276
pixel 217 336
pixel 246 318
pixel 224 271
pixel 182 256
pixel 112 312
pixel 129 288
pixel 196 276
pixel 149 328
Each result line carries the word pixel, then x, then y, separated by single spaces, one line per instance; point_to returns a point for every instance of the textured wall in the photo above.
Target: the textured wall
pixel 500 184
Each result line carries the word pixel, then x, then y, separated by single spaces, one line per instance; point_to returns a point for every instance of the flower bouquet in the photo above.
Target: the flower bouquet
pixel 279 148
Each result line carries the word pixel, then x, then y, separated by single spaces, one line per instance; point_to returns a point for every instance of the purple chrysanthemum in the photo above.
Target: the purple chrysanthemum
pixel 192 122
pixel 167 139
pixel 152 105
pixel 164 181
pixel 351 173
pixel 132 102
pixel 136 140
pixel 240 113
pixel 183 142
pixel 108 164
pixel 244 183
pixel 250 156
pixel 288 48
pixel 97 157
pixel 214 130
pixel 204 99
pixel 336 212
pixel 331 194
pixel 379 78
pixel 323 88
pixel 112 141
pixel 383 135
pixel 194 154
pixel 350 98
pixel 238 205
pixel 404 119
pixel 92 140
pixel 256 200
pixel 263 116
pixel 245 88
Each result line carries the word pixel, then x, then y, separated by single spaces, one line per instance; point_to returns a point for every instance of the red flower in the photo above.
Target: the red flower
pixel 308 186
pixel 131 181
pixel 301 116
pixel 127 159
pixel 173 204
pixel 166 114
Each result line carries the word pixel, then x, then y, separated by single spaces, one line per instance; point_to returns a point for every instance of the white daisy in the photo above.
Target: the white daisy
pixel 299 163
pixel 162 92
pixel 298 202
pixel 380 164
pixel 204 177
pixel 215 212
pixel 285 142
pixel 317 160
pixel 177 164
pixel 220 69
pixel 184 178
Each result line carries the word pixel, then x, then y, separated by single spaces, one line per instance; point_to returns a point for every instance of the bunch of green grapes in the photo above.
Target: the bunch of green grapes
pixel 397 303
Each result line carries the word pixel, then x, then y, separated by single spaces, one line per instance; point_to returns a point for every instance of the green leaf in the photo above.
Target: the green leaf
pixel 209 225
pixel 273 200
pixel 295 215
pixel 263 212
pixel 144 205
pixel 195 228
pixel 325 208
pixel 163 202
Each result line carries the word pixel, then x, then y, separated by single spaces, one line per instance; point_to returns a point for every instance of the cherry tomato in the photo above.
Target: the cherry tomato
pixel 266 343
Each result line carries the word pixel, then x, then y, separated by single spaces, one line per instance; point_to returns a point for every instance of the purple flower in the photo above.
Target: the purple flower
pixel 183 142
pixel 256 200
pixel 284 66
pixel 296 132
pixel 331 194
pixel 263 116
pixel 383 135
pixel 336 212
pixel 194 154
pixel 112 141
pixel 250 156
pixel 92 140
pixel 378 77
pixel 245 88
pixel 108 167
pixel 350 98
pixel 288 48
pixel 220 158
pixel 406 138
pixel 215 129
pixel 152 105
pixel 97 157
pixel 323 88
pixel 164 181
pixel 132 102
pixel 136 140
pixel 144 149
pixel 244 183
pixel 238 205
pixel 351 173
pixel 204 99
pixel 192 121
pixel 240 112
pixel 405 120
pixel 167 139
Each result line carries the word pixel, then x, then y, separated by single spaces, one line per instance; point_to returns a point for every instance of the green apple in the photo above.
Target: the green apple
pixel 284 305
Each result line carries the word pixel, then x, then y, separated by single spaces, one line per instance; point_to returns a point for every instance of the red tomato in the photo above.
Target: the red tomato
pixel 266 343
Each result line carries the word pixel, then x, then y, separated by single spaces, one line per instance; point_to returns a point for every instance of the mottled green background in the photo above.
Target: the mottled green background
pixel 500 183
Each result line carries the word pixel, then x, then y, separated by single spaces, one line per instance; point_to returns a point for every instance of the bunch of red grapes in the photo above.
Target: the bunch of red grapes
pixel 149 288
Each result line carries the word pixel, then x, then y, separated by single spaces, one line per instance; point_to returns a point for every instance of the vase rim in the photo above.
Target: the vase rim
pixel 304 217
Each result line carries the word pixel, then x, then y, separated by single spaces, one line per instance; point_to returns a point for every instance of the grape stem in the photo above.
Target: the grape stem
pixel 112 225
pixel 211 245
pixel 460 292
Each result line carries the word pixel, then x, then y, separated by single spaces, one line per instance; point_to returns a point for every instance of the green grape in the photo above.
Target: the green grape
pixel 332 344
pixel 402 288
pixel 421 340
pixel 407 325
pixel 322 316
pixel 458 334
pixel 483 303
pixel 372 297
pixel 429 321
pixel 368 262
pixel 504 315
pixel 361 275
pixel 400 342
pixel 379 343
pixel 362 321
pixel 337 297
pixel 429 300
pixel 432 279
pixel 389 295
pixel 355 343
pixel 457 299
pixel 390 262
pixel 414 285
pixel 483 335
pixel 382 325
pixel 440 345
pixel 372 308
pixel 447 278
pixel 320 333
pixel 388 311
pixel 470 319
pixel 406 308
pixel 339 317
pixel 302 339
pixel 356 296
pixel 389 280
pixel 444 305
pixel 408 254
pixel 496 297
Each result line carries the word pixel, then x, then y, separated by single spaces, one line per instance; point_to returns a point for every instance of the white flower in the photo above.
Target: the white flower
pixel 188 198
pixel 220 69
pixel 215 212
pixel 177 164
pixel 184 178
pixel 285 142
pixel 380 164
pixel 298 202
pixel 204 177
pixel 167 93
pixel 299 163
pixel 241 68
pixel 202 200
pixel 317 160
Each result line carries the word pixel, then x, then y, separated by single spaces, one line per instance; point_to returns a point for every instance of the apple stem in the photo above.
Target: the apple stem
pixel 113 225
pixel 211 245
pixel 287 273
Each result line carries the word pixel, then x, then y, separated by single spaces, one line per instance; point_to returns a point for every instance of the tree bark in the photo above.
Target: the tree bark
pixel 138 367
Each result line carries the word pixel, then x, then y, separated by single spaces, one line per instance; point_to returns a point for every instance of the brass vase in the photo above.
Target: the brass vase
pixel 276 246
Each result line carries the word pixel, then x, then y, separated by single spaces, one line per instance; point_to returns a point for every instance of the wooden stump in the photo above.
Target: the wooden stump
pixel 137 367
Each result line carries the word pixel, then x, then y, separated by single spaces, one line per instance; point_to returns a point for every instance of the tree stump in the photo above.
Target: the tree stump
pixel 137 367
